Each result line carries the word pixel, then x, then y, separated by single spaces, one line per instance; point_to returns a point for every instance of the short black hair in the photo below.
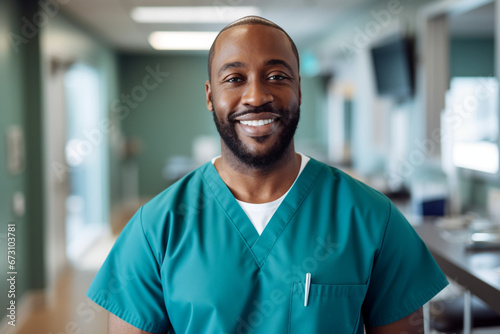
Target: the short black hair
pixel 250 20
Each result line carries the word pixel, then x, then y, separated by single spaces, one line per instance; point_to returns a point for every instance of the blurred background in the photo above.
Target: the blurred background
pixel 102 106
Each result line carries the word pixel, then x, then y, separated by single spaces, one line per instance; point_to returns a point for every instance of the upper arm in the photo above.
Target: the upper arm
pixel 119 326
pixel 411 324
pixel 131 272
pixel 404 275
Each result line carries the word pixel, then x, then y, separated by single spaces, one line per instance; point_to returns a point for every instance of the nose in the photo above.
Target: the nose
pixel 256 94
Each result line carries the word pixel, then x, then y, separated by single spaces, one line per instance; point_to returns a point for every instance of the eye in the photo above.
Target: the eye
pixel 234 80
pixel 277 77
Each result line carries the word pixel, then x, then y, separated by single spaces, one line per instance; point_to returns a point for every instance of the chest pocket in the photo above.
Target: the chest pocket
pixel 331 309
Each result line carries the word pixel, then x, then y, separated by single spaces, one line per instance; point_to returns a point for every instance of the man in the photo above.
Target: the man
pixel 263 239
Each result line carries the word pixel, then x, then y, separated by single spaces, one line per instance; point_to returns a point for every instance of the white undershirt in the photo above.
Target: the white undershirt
pixel 261 213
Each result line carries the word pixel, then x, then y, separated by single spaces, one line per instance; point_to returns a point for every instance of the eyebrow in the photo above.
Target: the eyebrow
pixel 234 64
pixel 238 64
pixel 279 62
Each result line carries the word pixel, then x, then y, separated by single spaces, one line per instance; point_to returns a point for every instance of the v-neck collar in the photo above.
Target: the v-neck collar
pixel 260 246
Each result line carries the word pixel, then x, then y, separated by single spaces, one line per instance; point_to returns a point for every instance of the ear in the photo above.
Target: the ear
pixel 208 93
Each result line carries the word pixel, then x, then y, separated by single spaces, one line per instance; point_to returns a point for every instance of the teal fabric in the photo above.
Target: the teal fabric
pixel 190 260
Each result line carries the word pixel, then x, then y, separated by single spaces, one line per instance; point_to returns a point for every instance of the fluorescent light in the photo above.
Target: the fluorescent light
pixel 182 40
pixel 198 14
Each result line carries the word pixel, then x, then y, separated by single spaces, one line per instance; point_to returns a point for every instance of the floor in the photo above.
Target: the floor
pixel 68 310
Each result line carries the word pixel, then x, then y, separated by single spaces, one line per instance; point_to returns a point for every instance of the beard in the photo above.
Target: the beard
pixel 265 160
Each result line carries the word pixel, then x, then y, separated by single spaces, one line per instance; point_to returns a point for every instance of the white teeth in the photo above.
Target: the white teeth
pixel 260 122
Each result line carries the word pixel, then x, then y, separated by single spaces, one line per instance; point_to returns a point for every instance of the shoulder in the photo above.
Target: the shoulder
pixel 351 192
pixel 176 199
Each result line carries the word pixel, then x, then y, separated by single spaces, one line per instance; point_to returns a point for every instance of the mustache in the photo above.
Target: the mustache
pixel 255 110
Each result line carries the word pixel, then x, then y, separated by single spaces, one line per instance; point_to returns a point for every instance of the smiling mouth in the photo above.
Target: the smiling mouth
pixel 257 123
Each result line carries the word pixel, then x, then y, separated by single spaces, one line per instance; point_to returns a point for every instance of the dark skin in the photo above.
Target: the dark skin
pixel 251 71
pixel 255 65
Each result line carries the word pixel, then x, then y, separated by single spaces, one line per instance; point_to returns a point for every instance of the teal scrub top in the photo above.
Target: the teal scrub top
pixel 190 260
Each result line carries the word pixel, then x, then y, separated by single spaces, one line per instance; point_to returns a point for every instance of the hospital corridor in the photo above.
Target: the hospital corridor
pixel 232 166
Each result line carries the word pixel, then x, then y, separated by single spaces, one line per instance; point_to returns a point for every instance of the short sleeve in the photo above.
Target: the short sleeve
pixel 404 275
pixel 129 283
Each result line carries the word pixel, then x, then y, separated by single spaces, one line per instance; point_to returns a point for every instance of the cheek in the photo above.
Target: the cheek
pixel 291 102
pixel 225 101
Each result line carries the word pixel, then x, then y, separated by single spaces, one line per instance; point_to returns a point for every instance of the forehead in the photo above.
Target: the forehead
pixel 252 43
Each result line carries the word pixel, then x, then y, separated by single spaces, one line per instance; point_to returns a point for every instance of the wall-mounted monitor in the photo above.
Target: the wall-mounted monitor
pixel 393 64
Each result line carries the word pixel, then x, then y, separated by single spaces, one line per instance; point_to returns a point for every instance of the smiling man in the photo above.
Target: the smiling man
pixel 264 239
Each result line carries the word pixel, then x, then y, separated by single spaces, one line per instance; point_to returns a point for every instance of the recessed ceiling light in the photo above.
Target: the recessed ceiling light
pixel 182 40
pixel 198 14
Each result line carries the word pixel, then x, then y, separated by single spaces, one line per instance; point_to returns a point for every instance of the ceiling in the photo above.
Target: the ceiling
pixel 479 22
pixel 307 21
pixel 304 20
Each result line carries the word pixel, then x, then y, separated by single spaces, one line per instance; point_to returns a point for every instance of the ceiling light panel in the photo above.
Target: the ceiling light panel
pixel 201 14
pixel 182 40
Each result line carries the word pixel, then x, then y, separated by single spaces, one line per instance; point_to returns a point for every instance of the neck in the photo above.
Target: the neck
pixel 253 185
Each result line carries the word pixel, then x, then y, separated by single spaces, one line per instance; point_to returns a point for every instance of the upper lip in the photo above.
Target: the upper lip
pixel 252 116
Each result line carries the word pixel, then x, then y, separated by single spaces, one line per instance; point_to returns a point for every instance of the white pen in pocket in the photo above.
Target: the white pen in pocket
pixel 308 288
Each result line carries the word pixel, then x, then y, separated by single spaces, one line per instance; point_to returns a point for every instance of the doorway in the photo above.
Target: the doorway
pixel 76 177
pixel 85 151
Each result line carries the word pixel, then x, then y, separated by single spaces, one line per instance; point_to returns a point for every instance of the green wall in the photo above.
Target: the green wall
pixel 20 106
pixel 472 57
pixel 10 115
pixel 167 118
pixel 170 116
pixel 311 135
